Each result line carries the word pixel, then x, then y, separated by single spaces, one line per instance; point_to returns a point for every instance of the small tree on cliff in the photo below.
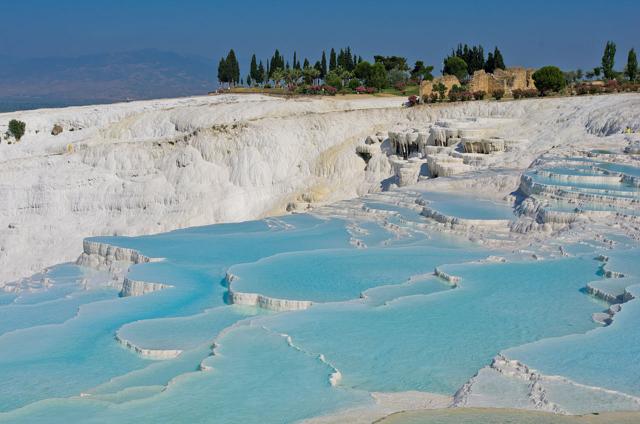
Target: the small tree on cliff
pixel 608 58
pixel 16 128
pixel 549 78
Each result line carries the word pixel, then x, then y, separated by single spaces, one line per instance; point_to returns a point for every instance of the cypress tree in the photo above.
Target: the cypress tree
pixel 305 64
pixel 261 74
pixel 490 64
pixel 632 66
pixel 277 62
pixel 222 71
pixel 608 58
pixel 332 60
pixel 232 67
pixel 323 65
pixel 253 69
pixel 296 65
pixel 497 58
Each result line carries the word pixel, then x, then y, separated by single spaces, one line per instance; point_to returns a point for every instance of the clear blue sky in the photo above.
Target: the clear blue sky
pixel 567 33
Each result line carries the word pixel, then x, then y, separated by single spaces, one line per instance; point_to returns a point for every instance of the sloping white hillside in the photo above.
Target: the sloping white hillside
pixel 153 166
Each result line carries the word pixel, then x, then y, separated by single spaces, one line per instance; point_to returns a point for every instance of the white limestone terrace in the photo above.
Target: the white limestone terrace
pixel 153 166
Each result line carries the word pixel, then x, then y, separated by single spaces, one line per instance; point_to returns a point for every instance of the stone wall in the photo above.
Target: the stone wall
pixel 507 79
pixel 426 87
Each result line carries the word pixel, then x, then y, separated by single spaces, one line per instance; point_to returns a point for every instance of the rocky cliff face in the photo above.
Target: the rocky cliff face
pixel 148 167
pixel 153 166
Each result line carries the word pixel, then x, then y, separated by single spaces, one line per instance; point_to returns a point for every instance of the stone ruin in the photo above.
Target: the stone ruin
pixel 426 87
pixel 506 79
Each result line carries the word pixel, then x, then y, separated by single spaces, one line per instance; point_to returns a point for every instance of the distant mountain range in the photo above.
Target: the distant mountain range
pixel 102 78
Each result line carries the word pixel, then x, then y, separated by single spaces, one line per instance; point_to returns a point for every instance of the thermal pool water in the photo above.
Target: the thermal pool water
pixel 291 318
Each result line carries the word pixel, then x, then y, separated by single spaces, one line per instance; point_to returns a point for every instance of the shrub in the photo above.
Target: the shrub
pixel 611 86
pixel 498 94
pixel 440 88
pixel 549 78
pixel 412 101
pixel 329 90
pixel 433 97
pixel 453 96
pixel 16 128
pixel 361 89
pixel 517 93
pixel 479 95
pixel 371 90
pixel 531 92
pixel 353 84
pixel 400 86
pixel 465 96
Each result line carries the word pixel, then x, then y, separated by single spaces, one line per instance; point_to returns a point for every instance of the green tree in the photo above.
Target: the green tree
pixel 249 80
pixel 232 67
pixel 310 74
pixel 597 71
pixel 422 72
pixel 453 65
pixel 490 64
pixel 222 71
pixel 391 62
pixel 473 56
pixel 305 64
pixel 295 61
pixel 334 79
pixel 631 71
pixel 608 59
pixel 498 60
pixel 261 76
pixel 440 88
pixel 363 71
pixel 323 65
pixel 277 63
pixel 378 76
pixel 253 69
pixel 17 128
pixel 278 75
pixel 332 60
pixel 549 78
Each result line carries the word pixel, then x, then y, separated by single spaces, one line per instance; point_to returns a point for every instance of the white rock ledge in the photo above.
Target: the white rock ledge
pixel 261 301
pixel 139 288
pixel 452 279
pixel 453 221
pixel 156 354
pixel 102 255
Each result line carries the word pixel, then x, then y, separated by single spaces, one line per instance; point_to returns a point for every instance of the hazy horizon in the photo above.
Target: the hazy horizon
pixel 188 38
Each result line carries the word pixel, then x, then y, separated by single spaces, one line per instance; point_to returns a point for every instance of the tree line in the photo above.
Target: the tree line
pixel 344 68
